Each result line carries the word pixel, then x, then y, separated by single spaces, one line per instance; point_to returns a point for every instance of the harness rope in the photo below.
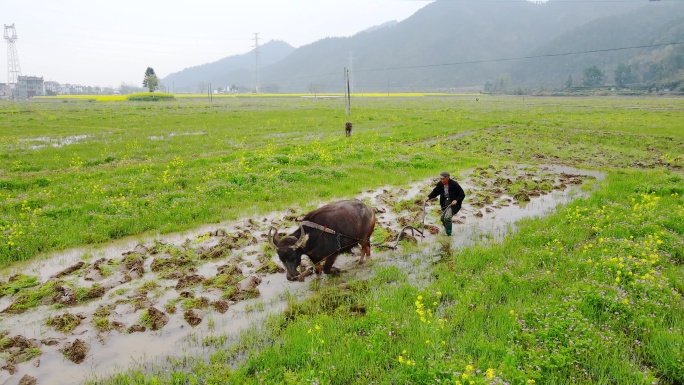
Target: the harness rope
pixel 325 229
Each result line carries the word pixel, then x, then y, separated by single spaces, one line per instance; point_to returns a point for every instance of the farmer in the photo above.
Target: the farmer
pixel 451 197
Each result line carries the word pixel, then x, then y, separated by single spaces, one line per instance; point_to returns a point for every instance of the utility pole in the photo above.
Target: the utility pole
pixel 351 72
pixel 13 69
pixel 347 94
pixel 256 55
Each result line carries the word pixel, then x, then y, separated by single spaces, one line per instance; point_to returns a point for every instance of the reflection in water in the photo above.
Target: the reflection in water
pixel 45 141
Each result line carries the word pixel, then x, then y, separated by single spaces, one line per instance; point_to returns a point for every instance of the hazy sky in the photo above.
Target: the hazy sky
pixel 109 42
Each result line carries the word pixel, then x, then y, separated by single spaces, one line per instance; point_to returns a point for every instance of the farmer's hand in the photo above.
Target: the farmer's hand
pixel 453 203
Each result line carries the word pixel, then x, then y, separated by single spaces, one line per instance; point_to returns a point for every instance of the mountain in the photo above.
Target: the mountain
pixel 423 52
pixel 650 27
pixel 218 73
pixel 460 45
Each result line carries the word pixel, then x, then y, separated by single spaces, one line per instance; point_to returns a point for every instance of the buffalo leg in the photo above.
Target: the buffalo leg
pixel 365 252
pixel 328 267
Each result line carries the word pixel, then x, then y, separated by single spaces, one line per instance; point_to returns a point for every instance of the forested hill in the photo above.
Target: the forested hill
pixel 417 53
pixel 650 28
pixel 221 73
pixel 460 45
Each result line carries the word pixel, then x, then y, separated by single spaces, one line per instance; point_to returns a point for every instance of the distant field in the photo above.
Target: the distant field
pixel 123 98
pixel 591 294
pixel 103 171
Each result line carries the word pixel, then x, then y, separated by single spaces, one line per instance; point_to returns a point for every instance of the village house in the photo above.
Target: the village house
pixel 29 86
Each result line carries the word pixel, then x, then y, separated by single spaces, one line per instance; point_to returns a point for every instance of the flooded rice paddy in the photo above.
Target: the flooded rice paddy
pixel 92 312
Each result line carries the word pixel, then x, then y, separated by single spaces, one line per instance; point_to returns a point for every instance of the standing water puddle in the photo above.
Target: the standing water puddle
pixel 141 300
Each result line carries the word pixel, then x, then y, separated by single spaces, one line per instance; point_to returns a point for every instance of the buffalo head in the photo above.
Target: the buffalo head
pixel 289 251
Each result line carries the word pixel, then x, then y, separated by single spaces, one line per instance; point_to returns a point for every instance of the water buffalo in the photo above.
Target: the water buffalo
pixel 325 233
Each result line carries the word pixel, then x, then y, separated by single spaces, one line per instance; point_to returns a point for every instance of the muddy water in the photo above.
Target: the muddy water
pixel 54 142
pixel 113 351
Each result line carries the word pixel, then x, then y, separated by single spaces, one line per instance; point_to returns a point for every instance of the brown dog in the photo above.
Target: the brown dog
pixel 348 128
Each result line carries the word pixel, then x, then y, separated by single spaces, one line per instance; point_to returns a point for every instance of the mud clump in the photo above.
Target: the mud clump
pixel 409 219
pixel 432 229
pixel 189 280
pixel 64 323
pixel 69 270
pixel 132 265
pixel 95 292
pixel 68 297
pixel 76 352
pixel 193 316
pixel 19 349
pixel 522 197
pixel 175 274
pixel 228 243
pixel 231 269
pixel 269 267
pixel 137 328
pixel 138 249
pixel 249 283
pixel 50 341
pixel 220 306
pixel 27 380
pixel 167 261
pixel 64 296
pixel 156 318
pixel 245 289
pixel 95 272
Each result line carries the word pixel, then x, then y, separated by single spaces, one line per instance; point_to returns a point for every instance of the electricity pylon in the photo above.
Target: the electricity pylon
pixel 13 69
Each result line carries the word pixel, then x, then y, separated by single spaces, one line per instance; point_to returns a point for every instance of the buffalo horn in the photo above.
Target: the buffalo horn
pixel 303 237
pixel 273 239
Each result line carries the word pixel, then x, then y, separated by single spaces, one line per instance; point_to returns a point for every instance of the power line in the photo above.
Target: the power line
pixel 523 57
pixel 488 60
pixel 256 55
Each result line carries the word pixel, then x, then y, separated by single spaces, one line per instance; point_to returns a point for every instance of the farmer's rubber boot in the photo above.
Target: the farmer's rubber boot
pixel 447 227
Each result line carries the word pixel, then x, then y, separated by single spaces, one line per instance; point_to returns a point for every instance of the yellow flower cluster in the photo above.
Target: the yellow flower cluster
pixel 11 234
pixel 316 328
pixel 322 155
pixel 405 361
pixel 427 314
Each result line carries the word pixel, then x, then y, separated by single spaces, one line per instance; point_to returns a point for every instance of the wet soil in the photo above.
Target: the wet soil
pixel 94 311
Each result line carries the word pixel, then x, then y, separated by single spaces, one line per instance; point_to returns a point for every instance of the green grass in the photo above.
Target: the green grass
pixel 589 295
pixel 64 323
pixel 104 171
pixel 543 306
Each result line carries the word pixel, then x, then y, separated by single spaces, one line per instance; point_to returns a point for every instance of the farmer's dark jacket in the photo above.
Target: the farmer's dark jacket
pixel 456 193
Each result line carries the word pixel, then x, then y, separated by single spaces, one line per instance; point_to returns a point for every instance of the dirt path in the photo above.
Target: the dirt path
pixel 93 312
